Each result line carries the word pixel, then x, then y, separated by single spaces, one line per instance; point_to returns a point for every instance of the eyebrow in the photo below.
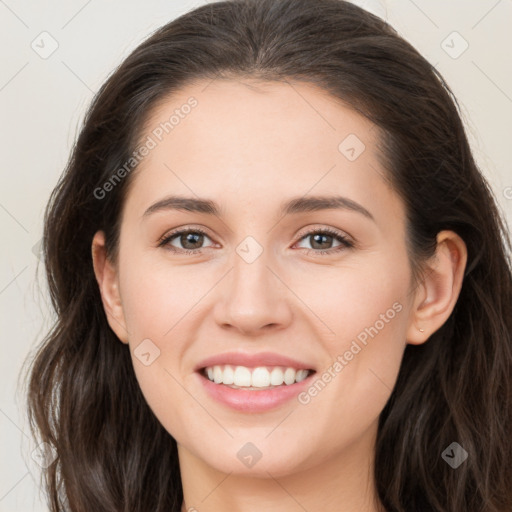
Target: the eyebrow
pixel 292 206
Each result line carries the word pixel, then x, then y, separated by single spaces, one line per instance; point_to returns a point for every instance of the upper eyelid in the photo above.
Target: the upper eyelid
pixel 319 229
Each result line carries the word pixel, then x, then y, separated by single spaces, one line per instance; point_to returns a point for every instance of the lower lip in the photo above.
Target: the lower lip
pixel 255 400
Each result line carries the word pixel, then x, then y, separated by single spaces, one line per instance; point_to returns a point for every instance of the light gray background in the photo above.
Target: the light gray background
pixel 42 102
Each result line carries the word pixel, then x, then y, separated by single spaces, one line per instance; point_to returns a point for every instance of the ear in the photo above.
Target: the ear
pixel 437 294
pixel 107 277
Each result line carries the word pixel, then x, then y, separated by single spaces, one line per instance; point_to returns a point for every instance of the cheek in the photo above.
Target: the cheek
pixel 361 300
pixel 367 310
pixel 158 305
pixel 157 295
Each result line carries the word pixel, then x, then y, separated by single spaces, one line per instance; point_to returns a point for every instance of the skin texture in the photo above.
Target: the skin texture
pixel 249 147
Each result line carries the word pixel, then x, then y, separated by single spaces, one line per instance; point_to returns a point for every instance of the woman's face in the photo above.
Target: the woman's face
pixel 262 284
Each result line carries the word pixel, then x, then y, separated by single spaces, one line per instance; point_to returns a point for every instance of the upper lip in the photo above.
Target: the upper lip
pixel 252 360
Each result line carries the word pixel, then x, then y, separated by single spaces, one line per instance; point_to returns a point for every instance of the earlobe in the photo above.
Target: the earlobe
pixel 107 278
pixel 439 290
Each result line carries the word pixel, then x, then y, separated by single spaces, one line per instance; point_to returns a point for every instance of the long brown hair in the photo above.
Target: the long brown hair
pixel 83 396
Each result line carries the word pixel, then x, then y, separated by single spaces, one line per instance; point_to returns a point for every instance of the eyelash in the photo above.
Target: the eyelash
pixel 345 243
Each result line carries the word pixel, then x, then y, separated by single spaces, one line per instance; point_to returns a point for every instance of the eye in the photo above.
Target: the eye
pixel 190 239
pixel 321 238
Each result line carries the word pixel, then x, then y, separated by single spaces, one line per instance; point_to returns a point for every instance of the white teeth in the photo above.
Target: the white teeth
pixel 228 376
pixel 242 376
pixel 276 377
pixel 217 374
pixel 301 375
pixel 260 377
pixel 289 376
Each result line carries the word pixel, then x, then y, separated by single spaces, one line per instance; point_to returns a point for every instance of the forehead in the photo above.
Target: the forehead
pixel 244 139
pixel 275 112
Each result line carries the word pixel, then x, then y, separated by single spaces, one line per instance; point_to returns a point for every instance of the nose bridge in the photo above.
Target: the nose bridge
pixel 253 297
pixel 250 272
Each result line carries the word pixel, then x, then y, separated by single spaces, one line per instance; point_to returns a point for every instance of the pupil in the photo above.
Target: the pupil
pixel 189 237
pixel 319 236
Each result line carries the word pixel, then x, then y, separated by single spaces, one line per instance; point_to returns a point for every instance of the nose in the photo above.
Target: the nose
pixel 253 298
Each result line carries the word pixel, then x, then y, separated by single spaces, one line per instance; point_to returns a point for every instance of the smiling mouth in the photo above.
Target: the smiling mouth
pixel 254 379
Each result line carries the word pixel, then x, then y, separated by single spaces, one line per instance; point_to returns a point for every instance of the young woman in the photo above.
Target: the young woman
pixel 281 281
